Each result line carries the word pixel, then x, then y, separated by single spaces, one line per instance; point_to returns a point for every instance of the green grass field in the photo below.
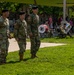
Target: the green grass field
pixel 52 61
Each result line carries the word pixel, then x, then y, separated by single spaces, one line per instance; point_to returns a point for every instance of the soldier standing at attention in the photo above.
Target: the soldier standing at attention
pixel 20 28
pixel 4 34
pixel 33 23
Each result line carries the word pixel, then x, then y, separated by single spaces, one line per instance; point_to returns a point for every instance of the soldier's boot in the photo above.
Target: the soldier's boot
pixel 33 56
pixel 3 62
pixel 21 57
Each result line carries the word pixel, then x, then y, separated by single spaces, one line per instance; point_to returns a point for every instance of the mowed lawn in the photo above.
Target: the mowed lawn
pixel 51 61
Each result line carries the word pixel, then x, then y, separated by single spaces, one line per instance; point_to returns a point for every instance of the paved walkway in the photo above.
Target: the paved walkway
pixel 14 46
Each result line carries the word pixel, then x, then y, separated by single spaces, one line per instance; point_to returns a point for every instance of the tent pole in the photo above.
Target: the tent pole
pixel 64 10
pixel 35 2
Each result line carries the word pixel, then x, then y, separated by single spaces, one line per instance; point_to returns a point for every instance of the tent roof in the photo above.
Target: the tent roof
pixel 44 2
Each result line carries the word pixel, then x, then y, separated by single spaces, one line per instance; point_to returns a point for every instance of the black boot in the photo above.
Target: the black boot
pixel 21 57
pixel 33 56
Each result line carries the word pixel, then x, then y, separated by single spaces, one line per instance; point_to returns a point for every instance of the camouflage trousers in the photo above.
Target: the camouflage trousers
pixel 22 45
pixel 3 50
pixel 35 44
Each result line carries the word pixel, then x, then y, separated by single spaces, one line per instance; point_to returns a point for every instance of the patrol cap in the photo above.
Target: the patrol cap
pixel 21 12
pixel 34 7
pixel 5 10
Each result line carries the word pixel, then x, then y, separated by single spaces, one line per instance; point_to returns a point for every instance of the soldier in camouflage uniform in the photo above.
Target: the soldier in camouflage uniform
pixel 20 32
pixel 33 23
pixel 4 33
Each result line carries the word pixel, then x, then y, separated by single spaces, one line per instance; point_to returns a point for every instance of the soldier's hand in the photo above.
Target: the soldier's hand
pixel 17 39
pixel 31 35
pixel 9 37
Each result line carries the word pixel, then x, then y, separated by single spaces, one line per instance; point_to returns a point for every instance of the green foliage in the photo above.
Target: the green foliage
pixel 13 7
pixel 50 10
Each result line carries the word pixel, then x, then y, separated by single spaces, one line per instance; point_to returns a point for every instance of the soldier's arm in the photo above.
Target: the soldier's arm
pixel 1 23
pixel 29 21
pixel 39 21
pixel 8 31
pixel 16 30
pixel 26 27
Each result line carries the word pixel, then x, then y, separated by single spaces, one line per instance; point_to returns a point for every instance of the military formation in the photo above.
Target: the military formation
pixel 21 28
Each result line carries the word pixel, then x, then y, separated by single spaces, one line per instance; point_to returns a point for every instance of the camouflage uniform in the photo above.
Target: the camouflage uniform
pixel 20 34
pixel 4 31
pixel 33 23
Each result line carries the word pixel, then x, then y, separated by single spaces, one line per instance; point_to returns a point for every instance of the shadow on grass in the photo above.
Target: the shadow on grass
pixel 13 62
